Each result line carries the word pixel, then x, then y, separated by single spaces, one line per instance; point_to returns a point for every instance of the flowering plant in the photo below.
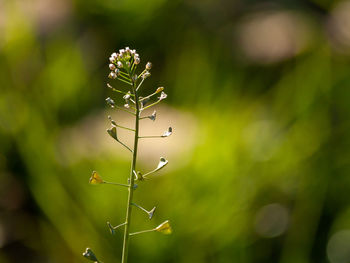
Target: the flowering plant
pixel 123 66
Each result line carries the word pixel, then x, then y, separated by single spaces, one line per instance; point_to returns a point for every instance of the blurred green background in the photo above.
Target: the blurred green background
pixel 259 98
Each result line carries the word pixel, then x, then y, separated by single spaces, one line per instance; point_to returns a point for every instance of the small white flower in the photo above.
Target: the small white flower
pixel 119 64
pixel 112 59
pixel 111 66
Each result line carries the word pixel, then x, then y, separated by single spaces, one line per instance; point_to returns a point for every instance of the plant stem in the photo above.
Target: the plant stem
pixel 126 128
pixel 125 185
pixel 131 179
pixel 121 108
pixel 141 232
pixel 155 136
pixel 154 103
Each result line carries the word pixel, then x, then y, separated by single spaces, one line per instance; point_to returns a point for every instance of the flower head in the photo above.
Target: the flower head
pixel 124 58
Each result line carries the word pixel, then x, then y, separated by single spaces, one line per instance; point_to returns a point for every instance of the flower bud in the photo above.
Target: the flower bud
pixel 148 65
pixel 111 66
pixel 136 60
pixel 159 89
pixel 112 75
pixel 119 64
pixel 117 71
pixel 112 59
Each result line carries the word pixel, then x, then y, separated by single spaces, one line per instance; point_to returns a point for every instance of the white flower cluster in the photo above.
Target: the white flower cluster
pixel 122 60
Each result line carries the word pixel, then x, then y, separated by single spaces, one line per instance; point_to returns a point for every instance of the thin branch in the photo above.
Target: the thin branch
pixel 116 90
pixel 147 97
pixel 142 73
pixel 140 84
pixel 121 108
pixel 126 128
pixel 124 73
pixel 127 147
pixel 140 207
pixel 125 185
pixel 125 81
pixel 154 103
pixel 115 227
pixel 141 232
pixel 156 136
pixel 124 77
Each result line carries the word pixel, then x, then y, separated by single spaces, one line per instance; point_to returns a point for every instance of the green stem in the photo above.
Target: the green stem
pixel 125 185
pixel 154 103
pixel 140 84
pixel 140 207
pixel 132 180
pixel 141 232
pixel 124 73
pixel 156 136
pixel 125 78
pixel 127 147
pixel 116 90
pixel 121 108
pixel 123 127
pixel 127 82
